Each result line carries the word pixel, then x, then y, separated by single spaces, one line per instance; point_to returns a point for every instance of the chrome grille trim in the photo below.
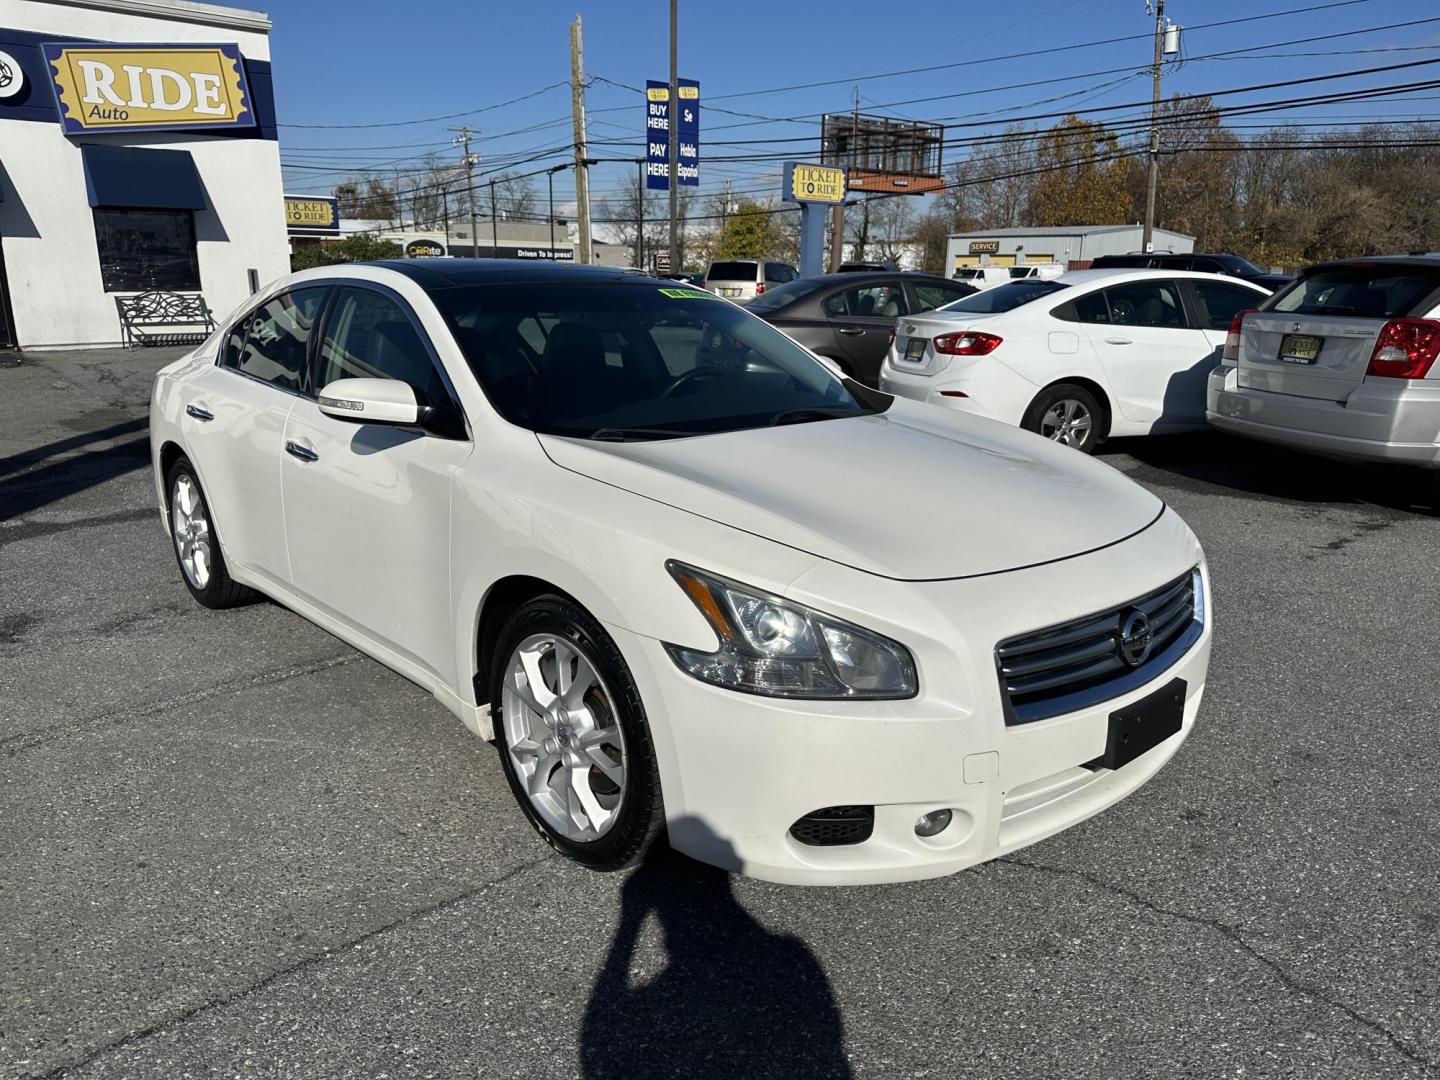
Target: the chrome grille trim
pixel 1076 664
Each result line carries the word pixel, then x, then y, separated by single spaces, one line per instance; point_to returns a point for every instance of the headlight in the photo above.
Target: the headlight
pixel 775 647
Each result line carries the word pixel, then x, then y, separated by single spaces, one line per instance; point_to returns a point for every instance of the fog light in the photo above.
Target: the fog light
pixel 933 823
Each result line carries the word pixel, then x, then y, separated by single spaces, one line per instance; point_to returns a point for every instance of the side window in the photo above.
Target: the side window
pixel 1219 301
pixel 234 344
pixel 276 338
pixel 1146 303
pixel 774 274
pixel 868 301
pixel 370 336
pixel 930 297
pixel 1090 308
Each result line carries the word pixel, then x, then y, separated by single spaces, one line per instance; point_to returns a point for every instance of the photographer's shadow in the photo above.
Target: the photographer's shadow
pixel 734 1000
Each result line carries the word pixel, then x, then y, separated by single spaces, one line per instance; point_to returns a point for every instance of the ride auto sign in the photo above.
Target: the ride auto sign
pixel 657 134
pixel 813 183
pixel 149 87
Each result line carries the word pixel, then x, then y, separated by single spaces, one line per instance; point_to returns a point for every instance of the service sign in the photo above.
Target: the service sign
pixel 149 87
pixel 813 183
pixel 312 214
pixel 657 134
pixel 984 247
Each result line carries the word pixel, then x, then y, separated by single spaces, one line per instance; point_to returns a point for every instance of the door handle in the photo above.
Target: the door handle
pixel 304 453
pixel 1117 341
pixel 199 413
pixel 851 331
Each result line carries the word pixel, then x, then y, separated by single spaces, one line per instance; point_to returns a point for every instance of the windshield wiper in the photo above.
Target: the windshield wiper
pixel 803 416
pixel 628 434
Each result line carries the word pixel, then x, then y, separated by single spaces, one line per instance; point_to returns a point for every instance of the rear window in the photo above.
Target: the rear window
pixel 1377 292
pixel 781 295
pixel 1005 297
pixel 733 271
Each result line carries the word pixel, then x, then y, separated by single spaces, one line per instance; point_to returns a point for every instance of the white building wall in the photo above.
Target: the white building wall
pixel 51 257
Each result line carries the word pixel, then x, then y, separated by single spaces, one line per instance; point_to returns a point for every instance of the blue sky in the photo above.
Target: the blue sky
pixel 352 62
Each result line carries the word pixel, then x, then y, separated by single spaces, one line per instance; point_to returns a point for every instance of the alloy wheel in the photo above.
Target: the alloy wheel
pixel 1067 421
pixel 192 530
pixel 563 737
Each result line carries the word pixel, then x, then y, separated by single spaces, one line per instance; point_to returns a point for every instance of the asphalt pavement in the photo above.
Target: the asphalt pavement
pixel 231 846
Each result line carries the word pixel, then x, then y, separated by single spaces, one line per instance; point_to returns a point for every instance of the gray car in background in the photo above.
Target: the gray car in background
pixel 1341 362
pixel 850 317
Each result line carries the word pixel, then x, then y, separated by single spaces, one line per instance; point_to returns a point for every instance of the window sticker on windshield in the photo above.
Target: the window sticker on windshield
pixel 688 294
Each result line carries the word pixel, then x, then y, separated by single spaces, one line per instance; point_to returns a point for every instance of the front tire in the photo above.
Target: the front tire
pixel 572 735
pixel 1067 414
pixel 197 548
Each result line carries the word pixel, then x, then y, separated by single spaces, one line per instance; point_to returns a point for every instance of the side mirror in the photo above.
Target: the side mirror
pixel 371 401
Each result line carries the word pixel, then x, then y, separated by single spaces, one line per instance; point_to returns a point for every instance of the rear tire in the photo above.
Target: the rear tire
pixel 196 544
pixel 572 735
pixel 1068 414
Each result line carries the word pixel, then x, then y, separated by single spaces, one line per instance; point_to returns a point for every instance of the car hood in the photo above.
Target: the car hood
pixel 914 493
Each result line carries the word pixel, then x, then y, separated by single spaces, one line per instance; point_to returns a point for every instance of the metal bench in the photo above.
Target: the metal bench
pixel 145 319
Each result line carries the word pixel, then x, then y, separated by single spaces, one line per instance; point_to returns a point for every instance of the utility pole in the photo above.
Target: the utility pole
pixel 582 165
pixel 639 213
pixel 672 114
pixel 469 160
pixel 1148 236
pixel 494 226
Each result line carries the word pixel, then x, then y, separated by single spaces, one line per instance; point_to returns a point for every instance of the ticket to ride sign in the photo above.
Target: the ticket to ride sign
pixel 312 214
pixel 813 183
pixel 149 87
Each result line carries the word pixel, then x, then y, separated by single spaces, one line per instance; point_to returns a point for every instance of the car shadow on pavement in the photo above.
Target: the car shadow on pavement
pixel 1213 459
pixel 734 1000
pixel 21 491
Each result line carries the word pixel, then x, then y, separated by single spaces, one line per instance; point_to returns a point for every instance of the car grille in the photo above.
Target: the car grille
pixel 1080 663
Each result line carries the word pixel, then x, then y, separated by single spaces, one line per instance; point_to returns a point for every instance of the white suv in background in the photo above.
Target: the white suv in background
pixel 1341 362
pixel 745 279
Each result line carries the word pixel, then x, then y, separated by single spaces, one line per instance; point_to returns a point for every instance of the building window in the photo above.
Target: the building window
pixel 146 249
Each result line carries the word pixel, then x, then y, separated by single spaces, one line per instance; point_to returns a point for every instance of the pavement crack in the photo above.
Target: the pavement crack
pixel 189 1013
pixel 1233 935
pixel 28 740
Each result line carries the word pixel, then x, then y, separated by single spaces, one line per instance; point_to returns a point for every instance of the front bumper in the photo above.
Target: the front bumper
pixel 1386 420
pixel 738 770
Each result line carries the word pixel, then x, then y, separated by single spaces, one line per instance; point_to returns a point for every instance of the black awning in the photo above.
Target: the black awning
pixel 130 176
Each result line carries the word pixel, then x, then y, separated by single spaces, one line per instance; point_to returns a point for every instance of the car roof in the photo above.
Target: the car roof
pixel 1125 273
pixel 444 273
pixel 1428 261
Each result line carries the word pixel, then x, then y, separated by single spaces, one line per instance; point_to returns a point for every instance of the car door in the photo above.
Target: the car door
pixel 234 424
pixel 862 318
pixel 367 506
pixel 1152 354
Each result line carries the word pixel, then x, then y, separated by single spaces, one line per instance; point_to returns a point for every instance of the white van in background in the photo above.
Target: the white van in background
pixel 987 277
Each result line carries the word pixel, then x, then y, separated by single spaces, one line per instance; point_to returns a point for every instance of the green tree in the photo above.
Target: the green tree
pixel 1087 182
pixel 362 247
pixel 751 232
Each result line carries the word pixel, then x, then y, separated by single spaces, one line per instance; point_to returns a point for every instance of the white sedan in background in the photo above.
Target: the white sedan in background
pixel 682 574
pixel 1076 358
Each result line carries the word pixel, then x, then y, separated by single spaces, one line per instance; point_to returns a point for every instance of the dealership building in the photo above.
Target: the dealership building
pixel 138 153
pixel 1072 246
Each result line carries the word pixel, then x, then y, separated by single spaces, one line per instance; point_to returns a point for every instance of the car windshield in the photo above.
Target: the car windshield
pixel 1005 297
pixel 778 296
pixel 733 271
pixel 638 360
pixel 1376 291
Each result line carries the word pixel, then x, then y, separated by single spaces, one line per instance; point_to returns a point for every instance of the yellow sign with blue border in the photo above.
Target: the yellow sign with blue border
pixel 312 214
pixel 814 183
pixel 149 87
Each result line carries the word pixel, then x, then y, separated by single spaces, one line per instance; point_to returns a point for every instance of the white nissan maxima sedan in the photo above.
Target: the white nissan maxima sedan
pixel 685 576
pixel 1076 358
